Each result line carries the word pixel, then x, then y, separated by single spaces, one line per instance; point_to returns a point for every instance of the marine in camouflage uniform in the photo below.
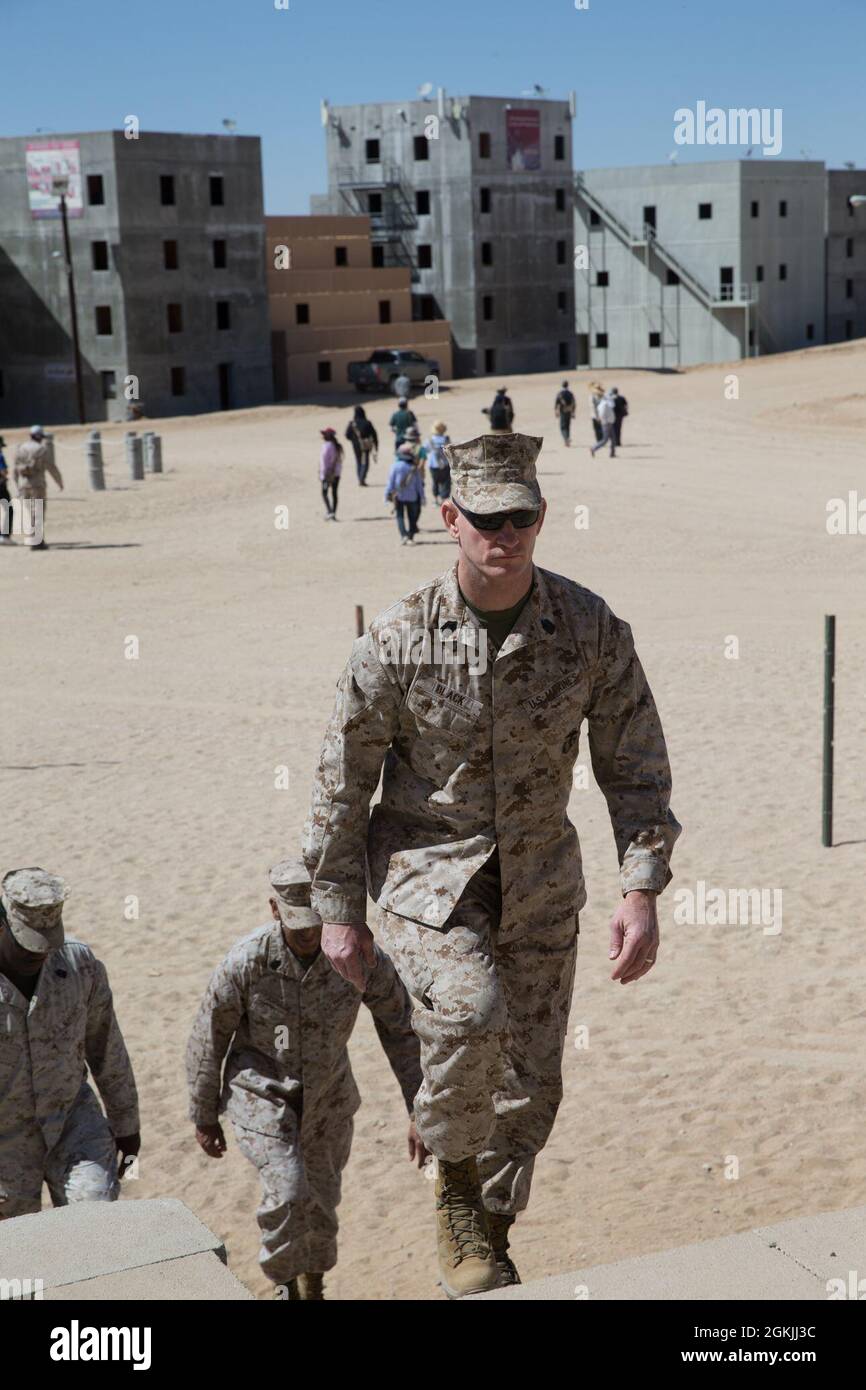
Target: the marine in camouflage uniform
pixel 470 856
pixel 32 461
pixel 56 1021
pixel 269 1049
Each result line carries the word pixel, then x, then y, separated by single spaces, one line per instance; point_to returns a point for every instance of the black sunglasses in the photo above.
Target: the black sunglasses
pixel 494 521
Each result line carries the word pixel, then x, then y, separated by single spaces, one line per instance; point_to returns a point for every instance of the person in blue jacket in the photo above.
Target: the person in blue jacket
pixel 405 489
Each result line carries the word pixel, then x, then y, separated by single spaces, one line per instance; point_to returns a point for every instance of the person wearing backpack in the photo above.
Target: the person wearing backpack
pixel 406 490
pixel 563 408
pixel 620 405
pixel 440 471
pixel 365 442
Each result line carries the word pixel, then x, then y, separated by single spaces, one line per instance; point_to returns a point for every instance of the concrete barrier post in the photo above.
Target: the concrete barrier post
pixel 93 448
pixel 156 454
pixel 148 438
pixel 134 456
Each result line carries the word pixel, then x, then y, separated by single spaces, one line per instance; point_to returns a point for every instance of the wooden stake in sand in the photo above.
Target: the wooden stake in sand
pixel 359 620
pixel 829 711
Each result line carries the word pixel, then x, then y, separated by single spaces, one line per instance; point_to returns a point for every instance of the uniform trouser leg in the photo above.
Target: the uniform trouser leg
pixel 297 1215
pixel 32 506
pixel 537 974
pixel 491 1017
pixel 82 1165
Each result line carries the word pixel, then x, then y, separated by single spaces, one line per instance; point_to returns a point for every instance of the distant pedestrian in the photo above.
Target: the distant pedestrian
pixel 564 407
pixel 330 468
pixel 596 391
pixel 32 461
pixel 413 437
pixel 406 490
pixel 400 421
pixel 365 442
pixel 620 405
pixel 607 419
pixel 402 385
pixel 501 412
pixel 6 519
pixel 440 471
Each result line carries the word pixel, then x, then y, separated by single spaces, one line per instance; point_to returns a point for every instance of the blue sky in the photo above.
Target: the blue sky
pixel 186 64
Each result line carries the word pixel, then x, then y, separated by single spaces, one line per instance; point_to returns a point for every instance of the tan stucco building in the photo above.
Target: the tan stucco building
pixel 330 305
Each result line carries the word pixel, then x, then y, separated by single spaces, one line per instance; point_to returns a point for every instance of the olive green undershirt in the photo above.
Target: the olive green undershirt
pixel 498 621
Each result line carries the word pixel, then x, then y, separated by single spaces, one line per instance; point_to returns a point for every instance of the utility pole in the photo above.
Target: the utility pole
pixel 60 187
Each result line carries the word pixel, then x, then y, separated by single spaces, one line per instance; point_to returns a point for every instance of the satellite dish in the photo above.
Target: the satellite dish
pixel 426 91
pixel 229 125
pixel 857 200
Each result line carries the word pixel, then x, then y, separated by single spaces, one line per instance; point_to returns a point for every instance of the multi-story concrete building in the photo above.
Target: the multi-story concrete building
pixel 329 305
pixel 475 196
pixel 846 255
pixel 167 240
pixel 705 262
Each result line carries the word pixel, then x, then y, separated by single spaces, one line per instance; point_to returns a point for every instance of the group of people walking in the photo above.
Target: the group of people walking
pixel 609 409
pixel 405 487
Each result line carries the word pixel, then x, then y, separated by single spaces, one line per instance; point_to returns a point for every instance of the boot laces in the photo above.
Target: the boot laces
pixel 464 1220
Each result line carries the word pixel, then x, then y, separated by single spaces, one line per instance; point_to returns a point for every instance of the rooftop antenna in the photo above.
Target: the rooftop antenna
pixel 229 125
pixel 324 111
pixel 534 91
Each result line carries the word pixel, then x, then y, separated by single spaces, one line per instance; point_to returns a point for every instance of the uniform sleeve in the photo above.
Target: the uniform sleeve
pixel 215 1025
pixel 630 761
pixel 363 723
pixel 108 1060
pixel 389 1003
pixel 52 468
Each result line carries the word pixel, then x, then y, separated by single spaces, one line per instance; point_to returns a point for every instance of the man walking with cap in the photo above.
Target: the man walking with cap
pixel 470 856
pixel 279 1018
pixel 56 1021
pixel 563 408
pixel 32 461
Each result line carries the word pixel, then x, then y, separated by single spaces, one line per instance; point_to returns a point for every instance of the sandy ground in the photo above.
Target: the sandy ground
pixel 155 777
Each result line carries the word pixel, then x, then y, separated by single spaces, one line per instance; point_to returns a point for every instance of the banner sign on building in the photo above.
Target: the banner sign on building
pixel 46 160
pixel 523 139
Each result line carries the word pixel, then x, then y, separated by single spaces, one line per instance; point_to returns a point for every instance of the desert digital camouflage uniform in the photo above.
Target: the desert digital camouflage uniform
pixel 32 461
pixel 52 1128
pixel 282 1026
pixel 470 856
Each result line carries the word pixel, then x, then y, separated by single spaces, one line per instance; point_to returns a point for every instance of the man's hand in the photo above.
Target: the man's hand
pixel 211 1139
pixel 128 1146
pixel 350 950
pixel 634 936
pixel 417 1152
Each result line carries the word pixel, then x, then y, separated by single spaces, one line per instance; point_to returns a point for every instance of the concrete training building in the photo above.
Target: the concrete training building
pixel 713 261
pixel 475 196
pixel 701 262
pixel 846 256
pixel 167 238
pixel 330 306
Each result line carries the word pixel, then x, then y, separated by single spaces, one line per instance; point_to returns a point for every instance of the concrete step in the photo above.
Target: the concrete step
pixel 794 1259
pixel 154 1249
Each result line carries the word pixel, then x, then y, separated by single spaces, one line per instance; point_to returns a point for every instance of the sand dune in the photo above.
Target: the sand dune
pixel 155 778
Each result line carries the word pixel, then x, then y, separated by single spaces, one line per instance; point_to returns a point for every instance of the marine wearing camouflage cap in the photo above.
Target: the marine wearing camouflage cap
pixel 33 902
pixel 495 472
pixel 291 884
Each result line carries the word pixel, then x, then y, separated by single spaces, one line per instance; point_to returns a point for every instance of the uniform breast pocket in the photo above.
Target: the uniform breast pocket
pixel 269 1023
pixel 437 711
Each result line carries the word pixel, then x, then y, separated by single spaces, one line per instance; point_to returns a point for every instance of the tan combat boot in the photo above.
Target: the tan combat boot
pixel 466 1261
pixel 311 1288
pixel 500 1224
